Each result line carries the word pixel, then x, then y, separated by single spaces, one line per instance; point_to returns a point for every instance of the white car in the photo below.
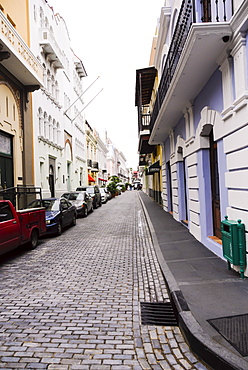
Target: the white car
pixel 104 195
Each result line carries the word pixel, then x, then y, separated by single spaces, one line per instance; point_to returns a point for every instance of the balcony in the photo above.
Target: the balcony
pixel 144 87
pixel 142 160
pixel 17 58
pixel 201 35
pixel 51 48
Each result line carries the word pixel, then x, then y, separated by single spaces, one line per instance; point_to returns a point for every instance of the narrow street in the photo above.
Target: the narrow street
pixel 74 302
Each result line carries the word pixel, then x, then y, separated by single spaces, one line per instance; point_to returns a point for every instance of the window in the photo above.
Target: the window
pixel 5 212
pixel 7 106
pixel 41 122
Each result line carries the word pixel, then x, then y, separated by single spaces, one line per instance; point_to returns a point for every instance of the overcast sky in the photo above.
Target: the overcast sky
pixel 112 38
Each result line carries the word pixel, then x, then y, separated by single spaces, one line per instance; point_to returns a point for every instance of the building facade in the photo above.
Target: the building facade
pixel 21 73
pixel 59 136
pixel 200 114
pixel 116 162
pixel 91 155
pixel 102 152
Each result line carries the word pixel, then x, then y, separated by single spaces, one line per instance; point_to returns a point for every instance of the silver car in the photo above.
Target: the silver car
pixel 104 195
pixel 82 200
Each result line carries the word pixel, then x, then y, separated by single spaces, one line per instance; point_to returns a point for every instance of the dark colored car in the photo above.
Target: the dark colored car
pixel 82 200
pixel 59 213
pixel 94 192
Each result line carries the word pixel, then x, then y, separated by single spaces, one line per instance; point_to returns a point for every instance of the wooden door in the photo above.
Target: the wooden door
pixel 215 187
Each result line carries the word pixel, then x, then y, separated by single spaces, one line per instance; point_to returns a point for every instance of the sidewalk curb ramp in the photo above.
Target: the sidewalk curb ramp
pixel 211 352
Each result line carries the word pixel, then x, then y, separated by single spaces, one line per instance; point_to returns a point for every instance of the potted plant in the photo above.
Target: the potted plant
pixel 111 187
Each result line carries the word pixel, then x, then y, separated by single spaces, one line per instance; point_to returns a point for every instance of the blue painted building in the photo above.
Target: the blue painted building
pixel 199 114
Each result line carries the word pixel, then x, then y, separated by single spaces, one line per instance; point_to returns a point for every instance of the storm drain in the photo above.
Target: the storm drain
pixel 235 330
pixel 158 314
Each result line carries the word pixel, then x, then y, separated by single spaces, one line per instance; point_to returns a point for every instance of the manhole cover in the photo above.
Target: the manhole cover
pixel 158 314
pixel 235 330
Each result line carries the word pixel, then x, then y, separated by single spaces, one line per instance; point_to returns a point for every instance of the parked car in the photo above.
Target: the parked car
pixel 20 227
pixel 59 213
pixel 109 195
pixel 104 195
pixel 94 192
pixel 82 200
pixel 137 185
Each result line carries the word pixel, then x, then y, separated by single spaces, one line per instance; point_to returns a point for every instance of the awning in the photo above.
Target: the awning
pixel 90 178
pixel 101 179
pixel 144 85
pixel 154 168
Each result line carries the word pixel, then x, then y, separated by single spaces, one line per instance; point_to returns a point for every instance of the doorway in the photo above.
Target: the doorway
pixel 51 181
pixel 215 188
pixel 169 187
pixel 184 192
pixel 6 161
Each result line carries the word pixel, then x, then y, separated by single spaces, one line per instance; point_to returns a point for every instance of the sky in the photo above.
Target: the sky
pixel 112 38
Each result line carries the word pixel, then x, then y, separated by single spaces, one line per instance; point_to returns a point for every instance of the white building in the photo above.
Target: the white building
pixel 122 170
pixel 200 117
pixel 59 136
pixel 116 161
pixel 102 151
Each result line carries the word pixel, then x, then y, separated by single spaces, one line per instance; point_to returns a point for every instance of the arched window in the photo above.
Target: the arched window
pixel 56 91
pixel 54 132
pixel 46 23
pixel 58 134
pixel 49 81
pixel 53 86
pixel 41 122
pixel 41 17
pixel 34 8
pixel 45 126
pixel 44 75
pixel 50 132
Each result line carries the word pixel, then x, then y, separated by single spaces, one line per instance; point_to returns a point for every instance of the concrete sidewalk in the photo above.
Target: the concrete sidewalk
pixel 200 285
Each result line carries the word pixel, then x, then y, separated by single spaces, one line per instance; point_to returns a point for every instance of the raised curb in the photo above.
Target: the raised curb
pixel 212 353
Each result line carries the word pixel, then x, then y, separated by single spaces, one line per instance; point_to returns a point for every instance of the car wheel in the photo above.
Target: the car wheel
pixel 33 242
pixel 85 211
pixel 59 228
pixel 74 220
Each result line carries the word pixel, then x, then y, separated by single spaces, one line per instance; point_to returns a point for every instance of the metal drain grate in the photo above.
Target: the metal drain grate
pixel 235 330
pixel 158 314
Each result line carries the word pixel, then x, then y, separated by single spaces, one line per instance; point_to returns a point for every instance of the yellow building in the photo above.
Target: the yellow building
pixel 150 156
pixel 20 74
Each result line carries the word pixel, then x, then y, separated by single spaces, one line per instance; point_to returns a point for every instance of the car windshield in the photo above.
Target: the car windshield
pixel 102 190
pixel 73 196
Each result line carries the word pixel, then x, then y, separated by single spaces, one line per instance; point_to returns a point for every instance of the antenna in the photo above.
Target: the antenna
pixel 86 106
pixel 80 97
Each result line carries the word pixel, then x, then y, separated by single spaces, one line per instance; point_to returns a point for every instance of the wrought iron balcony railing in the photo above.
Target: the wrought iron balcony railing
pixel 144 118
pixel 192 11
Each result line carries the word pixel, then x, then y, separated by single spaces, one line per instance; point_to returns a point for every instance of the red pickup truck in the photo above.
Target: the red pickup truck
pixel 20 227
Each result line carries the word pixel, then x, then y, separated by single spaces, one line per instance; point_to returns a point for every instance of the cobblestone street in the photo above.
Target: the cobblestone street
pixel 74 302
